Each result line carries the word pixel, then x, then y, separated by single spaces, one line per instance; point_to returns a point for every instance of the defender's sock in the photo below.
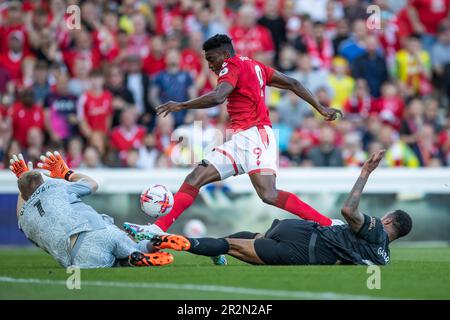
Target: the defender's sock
pixel 243 235
pixel 290 202
pixel 182 200
pixel 210 247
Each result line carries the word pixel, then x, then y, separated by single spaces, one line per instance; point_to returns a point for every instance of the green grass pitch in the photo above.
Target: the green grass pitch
pixel 414 273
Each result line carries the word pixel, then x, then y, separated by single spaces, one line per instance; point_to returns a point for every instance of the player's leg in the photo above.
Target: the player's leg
pixel 241 249
pixel 265 186
pixel 218 165
pixel 244 250
pixel 94 249
pixel 203 174
pixel 138 254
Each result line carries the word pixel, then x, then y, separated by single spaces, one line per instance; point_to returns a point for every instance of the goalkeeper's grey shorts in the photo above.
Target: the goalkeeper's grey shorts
pixel 102 248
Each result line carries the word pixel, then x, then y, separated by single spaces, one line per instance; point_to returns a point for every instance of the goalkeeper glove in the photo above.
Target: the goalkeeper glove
pixel 18 165
pixel 56 165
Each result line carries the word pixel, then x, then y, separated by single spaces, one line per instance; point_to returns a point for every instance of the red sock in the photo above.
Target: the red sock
pixel 290 202
pixel 182 200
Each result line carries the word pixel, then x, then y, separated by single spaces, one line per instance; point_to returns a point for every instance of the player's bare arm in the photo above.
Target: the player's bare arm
pixel 55 164
pixel 280 80
pixel 208 100
pixel 350 209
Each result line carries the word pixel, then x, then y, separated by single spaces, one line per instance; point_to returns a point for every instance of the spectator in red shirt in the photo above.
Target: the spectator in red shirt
pixel 5 131
pixel 139 40
pixel 360 104
pixel 319 46
pixel 14 22
pixel 426 15
pixel 191 57
pixel 12 58
pixel 423 17
pixel 390 105
pixel 84 50
pixel 94 107
pixel 155 62
pixel 26 114
pixel 128 135
pixel 249 37
pixel 74 152
pixel 105 36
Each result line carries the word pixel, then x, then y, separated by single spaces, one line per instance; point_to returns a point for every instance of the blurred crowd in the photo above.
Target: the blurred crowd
pixel 91 90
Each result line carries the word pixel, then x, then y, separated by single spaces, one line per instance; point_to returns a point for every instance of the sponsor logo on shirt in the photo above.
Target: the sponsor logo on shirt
pixel 383 254
pixel 223 72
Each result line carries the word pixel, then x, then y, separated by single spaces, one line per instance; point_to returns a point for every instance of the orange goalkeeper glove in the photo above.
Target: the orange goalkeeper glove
pixel 18 165
pixel 56 165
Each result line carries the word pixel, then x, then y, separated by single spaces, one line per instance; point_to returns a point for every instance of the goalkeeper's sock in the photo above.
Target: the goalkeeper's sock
pixel 210 247
pixel 183 199
pixel 290 202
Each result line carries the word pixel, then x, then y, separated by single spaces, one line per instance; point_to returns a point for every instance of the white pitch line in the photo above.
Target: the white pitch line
pixel 204 288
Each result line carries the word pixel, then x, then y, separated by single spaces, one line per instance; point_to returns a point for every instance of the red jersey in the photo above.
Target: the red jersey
pixel 124 140
pixel 191 61
pixel 431 12
pixel 92 55
pixel 24 119
pixel 96 110
pixel 251 41
pixel 152 65
pixel 390 110
pixel 12 63
pixel 20 30
pixel 246 103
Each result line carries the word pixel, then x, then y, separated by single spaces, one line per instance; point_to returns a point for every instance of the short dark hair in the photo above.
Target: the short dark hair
pixel 219 41
pixel 402 222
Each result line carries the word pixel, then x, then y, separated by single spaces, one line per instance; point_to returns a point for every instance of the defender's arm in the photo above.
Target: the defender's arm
pixel 280 80
pixel 208 100
pixel 350 209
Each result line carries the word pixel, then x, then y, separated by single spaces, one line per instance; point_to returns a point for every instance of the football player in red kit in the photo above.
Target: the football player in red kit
pixel 252 147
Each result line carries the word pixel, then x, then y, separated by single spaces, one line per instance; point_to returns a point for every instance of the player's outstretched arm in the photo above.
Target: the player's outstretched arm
pixel 55 164
pixel 350 209
pixel 282 81
pixel 208 100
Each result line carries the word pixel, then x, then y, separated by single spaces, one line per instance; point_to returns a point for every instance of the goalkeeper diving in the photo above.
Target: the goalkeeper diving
pixel 53 216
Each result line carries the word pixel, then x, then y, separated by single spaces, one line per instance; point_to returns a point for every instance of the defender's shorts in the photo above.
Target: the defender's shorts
pixel 100 248
pixel 249 151
pixel 287 243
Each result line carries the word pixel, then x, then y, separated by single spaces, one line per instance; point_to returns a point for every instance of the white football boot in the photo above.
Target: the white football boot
pixel 141 232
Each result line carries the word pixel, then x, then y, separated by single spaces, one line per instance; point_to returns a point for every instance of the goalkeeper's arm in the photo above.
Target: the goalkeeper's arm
pixel 75 177
pixel 55 164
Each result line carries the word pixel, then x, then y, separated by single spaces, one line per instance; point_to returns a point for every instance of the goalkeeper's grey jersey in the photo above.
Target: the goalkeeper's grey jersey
pixel 54 212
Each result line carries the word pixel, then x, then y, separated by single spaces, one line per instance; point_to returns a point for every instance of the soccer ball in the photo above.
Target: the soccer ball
pixel 156 201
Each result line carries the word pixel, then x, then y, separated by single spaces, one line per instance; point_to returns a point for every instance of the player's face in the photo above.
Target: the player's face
pixel 215 60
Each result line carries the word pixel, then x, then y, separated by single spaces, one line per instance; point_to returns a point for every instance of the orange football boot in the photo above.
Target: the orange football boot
pixel 171 241
pixel 140 259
